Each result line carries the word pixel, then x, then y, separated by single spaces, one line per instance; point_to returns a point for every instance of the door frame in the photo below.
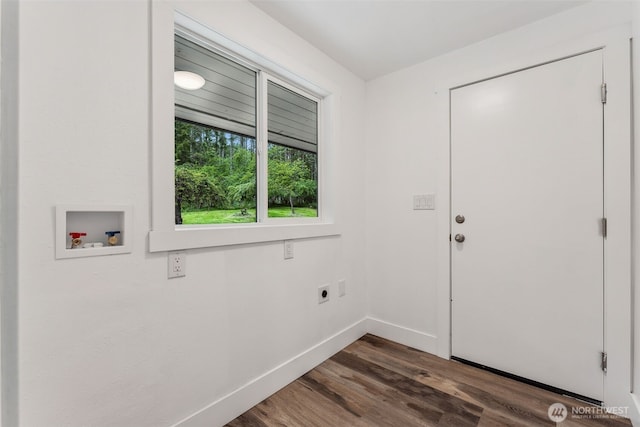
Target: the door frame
pixel 617 202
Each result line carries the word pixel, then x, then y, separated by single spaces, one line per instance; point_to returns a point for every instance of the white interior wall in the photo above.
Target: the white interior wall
pixel 110 340
pixel 407 135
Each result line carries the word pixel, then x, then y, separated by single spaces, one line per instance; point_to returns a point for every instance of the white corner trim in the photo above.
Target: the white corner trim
pixel 240 400
pixel 405 336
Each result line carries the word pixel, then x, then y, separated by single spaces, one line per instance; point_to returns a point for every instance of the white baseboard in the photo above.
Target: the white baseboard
pixel 401 335
pixel 237 402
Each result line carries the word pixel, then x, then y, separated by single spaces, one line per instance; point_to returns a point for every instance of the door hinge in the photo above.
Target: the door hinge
pixel 604 227
pixel 603 93
pixel 603 363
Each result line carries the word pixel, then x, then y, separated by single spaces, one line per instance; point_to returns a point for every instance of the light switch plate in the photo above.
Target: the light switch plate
pixel 424 202
pixel 342 287
pixel 288 249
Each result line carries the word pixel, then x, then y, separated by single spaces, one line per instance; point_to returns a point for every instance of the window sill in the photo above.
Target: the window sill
pixel 209 237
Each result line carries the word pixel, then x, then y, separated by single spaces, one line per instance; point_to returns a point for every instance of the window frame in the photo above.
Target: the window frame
pixel 165 235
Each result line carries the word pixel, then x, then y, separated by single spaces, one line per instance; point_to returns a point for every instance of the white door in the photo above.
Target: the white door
pixel 527 175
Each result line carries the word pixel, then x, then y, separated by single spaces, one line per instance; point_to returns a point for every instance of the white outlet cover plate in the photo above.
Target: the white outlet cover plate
pixel 176 265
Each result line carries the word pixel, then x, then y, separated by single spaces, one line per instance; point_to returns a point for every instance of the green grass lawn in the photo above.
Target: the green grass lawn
pixel 234 216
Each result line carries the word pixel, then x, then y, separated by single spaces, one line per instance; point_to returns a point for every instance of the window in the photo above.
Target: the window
pixel 293 153
pixel 240 160
pixel 221 176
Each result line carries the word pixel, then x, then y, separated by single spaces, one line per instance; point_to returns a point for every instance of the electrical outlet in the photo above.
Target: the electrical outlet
pixel 177 264
pixel 342 287
pixel 288 249
pixel 323 294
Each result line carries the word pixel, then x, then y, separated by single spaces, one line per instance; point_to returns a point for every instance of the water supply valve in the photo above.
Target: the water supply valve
pixel 112 239
pixel 76 240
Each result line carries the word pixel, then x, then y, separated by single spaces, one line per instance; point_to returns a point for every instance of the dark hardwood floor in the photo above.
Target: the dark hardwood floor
pixel 375 382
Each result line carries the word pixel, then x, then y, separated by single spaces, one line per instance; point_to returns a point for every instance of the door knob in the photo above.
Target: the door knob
pixel 459 238
pixel 459 219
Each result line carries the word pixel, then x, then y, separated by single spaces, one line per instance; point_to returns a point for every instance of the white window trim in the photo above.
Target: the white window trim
pixel 165 235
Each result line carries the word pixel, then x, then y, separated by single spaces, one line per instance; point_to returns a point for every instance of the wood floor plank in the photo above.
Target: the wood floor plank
pixel 511 405
pixel 380 403
pixel 509 397
pixel 516 405
pixel 297 405
pixel 376 382
pixel 449 404
pixel 469 383
pixel 248 419
pixel 495 419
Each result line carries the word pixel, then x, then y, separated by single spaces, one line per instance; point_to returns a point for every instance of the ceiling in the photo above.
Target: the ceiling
pixel 372 38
